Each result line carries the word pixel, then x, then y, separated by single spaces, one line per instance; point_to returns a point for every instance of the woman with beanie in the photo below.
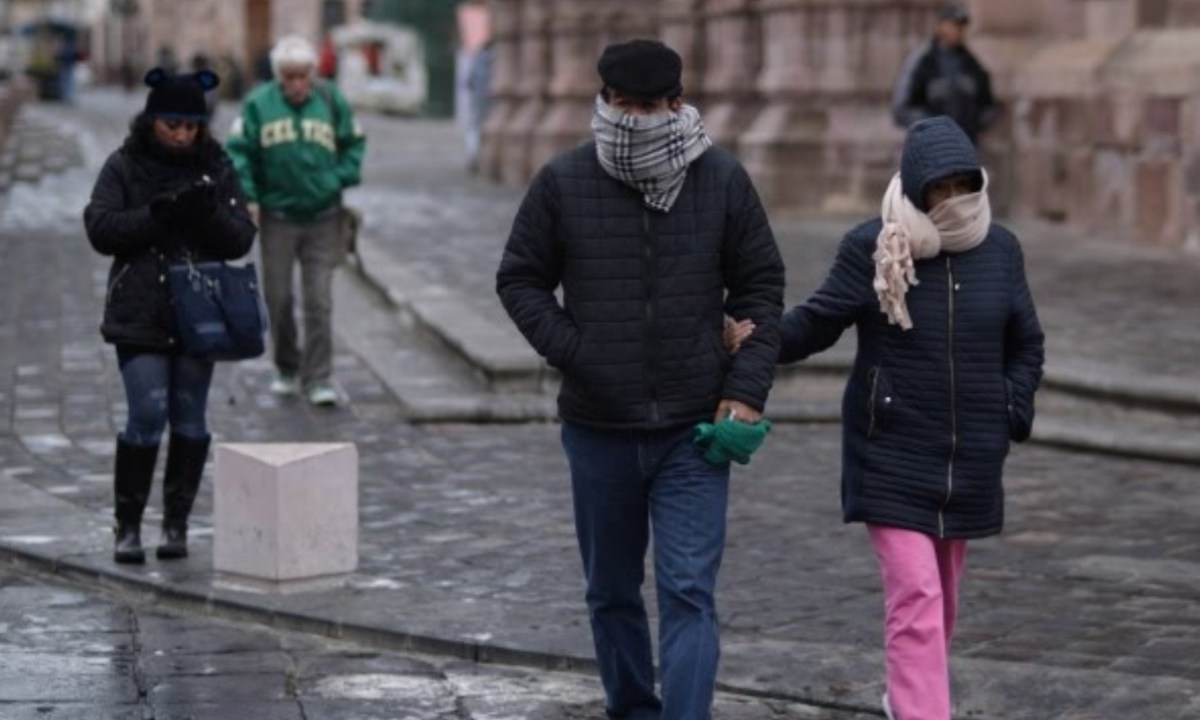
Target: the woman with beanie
pixel 949 357
pixel 167 195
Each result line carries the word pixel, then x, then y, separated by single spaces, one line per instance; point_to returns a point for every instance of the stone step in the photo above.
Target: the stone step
pixel 489 374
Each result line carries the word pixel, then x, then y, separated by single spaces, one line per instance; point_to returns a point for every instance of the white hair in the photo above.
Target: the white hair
pixel 292 51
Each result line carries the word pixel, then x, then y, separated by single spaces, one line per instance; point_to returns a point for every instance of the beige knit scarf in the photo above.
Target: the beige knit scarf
pixel 956 225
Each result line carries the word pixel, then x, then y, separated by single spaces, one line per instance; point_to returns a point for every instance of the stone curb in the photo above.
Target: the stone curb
pixel 1181 448
pixel 230 608
pixel 500 356
pixel 214 604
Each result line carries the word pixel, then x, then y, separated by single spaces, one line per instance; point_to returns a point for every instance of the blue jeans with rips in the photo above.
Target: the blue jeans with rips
pixel 624 484
pixel 163 388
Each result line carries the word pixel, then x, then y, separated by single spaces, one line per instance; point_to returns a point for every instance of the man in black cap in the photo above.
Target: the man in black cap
pixel 654 235
pixel 945 78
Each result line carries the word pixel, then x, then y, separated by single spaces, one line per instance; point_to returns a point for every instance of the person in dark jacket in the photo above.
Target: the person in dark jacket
pixel 950 355
pixel 945 78
pixel 167 195
pixel 652 234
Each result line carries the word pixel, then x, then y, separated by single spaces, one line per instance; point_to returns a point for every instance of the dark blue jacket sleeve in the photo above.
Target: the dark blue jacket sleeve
pixel 1024 352
pixel 845 295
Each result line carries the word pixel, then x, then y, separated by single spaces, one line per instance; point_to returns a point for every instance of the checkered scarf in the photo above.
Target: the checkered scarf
pixel 650 153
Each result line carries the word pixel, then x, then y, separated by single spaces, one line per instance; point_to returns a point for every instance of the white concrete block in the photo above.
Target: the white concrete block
pixel 285 511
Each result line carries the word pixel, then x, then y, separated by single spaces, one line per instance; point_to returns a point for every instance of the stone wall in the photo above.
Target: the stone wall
pixel 1102 129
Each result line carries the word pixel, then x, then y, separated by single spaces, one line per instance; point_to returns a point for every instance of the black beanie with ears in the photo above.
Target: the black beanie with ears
pixel 179 96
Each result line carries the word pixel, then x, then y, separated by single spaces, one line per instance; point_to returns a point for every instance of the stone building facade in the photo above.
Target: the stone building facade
pixel 235 30
pixel 1102 128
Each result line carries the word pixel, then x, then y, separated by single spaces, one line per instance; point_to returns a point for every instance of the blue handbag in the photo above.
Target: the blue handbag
pixel 219 311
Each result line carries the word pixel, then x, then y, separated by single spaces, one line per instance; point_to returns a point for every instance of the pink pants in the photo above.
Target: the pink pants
pixel 920 585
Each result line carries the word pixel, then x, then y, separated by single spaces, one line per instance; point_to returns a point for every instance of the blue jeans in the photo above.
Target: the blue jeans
pixel 161 389
pixel 624 483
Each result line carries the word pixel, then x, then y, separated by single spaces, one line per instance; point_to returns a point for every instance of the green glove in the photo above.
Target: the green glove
pixel 731 440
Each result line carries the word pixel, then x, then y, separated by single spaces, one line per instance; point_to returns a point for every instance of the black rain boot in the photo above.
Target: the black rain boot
pixel 185 466
pixel 132 476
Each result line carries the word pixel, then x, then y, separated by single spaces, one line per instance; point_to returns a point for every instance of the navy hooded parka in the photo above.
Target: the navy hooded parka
pixel 928 413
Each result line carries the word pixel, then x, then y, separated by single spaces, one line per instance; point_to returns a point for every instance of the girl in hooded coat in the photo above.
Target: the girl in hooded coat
pixel 950 354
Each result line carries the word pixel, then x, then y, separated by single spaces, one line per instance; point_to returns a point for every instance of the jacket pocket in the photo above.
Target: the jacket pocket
pixel 879 401
pixel 1020 417
pixel 116 282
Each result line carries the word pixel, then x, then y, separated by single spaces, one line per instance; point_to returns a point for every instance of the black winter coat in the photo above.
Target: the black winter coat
pixel 928 413
pixel 922 91
pixel 137 310
pixel 638 338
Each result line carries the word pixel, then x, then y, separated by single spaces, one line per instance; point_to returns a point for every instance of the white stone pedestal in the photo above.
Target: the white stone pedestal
pixel 285 511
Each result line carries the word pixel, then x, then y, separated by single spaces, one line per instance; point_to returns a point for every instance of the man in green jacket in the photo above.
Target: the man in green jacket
pixel 295 147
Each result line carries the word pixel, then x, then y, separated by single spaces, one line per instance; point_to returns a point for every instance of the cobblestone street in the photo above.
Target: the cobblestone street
pixel 1087 608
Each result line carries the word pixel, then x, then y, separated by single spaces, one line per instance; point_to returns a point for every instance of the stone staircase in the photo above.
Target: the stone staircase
pixel 1091 408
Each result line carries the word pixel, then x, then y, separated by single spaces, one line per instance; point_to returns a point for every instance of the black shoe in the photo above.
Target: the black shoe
pixel 174 543
pixel 129 545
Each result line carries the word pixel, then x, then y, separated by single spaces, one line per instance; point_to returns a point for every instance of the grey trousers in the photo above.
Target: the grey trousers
pixel 315 245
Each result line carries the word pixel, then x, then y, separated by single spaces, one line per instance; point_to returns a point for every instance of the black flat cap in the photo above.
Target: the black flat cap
pixel 642 68
pixel 954 12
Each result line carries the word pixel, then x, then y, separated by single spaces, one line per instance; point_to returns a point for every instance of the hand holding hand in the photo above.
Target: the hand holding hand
pixel 735 333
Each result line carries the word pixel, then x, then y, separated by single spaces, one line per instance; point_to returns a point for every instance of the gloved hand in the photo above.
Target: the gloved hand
pixel 730 440
pixel 162 208
pixel 186 206
pixel 196 202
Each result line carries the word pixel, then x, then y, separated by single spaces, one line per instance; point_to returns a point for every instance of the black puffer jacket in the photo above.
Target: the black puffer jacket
pixel 928 413
pixel 137 311
pixel 923 91
pixel 639 338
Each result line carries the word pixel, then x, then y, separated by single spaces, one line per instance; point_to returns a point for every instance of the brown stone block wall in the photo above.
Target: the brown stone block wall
pixel 578 34
pixel 681 27
pixel 1009 17
pixel 505 83
pixel 1102 128
pixel 825 139
pixel 530 91
pixel 1159 198
pixel 733 53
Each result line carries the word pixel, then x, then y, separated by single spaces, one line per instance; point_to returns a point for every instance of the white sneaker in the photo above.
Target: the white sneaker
pixel 887 708
pixel 323 394
pixel 284 384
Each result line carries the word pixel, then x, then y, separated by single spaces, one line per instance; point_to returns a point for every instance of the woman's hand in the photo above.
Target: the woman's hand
pixel 735 333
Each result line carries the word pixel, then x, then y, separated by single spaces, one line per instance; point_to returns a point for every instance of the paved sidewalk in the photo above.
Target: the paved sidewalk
pixel 1086 609
pixel 74 652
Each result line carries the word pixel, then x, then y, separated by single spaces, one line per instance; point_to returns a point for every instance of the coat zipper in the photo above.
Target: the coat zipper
pixel 953 401
pixel 648 285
